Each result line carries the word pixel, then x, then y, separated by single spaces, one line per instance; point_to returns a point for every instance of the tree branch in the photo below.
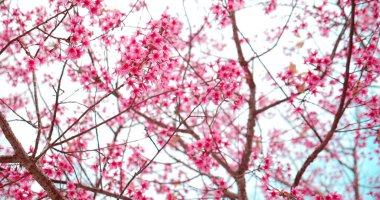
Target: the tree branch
pixel 245 158
pixel 341 107
pixel 27 162
pixel 95 190
pixel 263 109
pixel 34 28
pixel 9 159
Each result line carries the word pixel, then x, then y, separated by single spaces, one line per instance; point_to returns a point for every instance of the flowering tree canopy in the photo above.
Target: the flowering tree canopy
pixel 148 99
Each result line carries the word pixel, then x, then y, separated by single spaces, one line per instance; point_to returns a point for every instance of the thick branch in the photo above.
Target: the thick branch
pixel 28 163
pixel 95 190
pixel 341 107
pixel 9 159
pixel 252 112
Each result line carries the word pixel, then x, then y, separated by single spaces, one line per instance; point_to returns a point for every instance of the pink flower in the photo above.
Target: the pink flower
pixel 156 55
pixel 73 52
pixel 31 64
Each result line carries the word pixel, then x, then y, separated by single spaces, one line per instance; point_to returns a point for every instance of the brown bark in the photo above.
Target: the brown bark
pixel 341 108
pixel 27 162
pixel 245 158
